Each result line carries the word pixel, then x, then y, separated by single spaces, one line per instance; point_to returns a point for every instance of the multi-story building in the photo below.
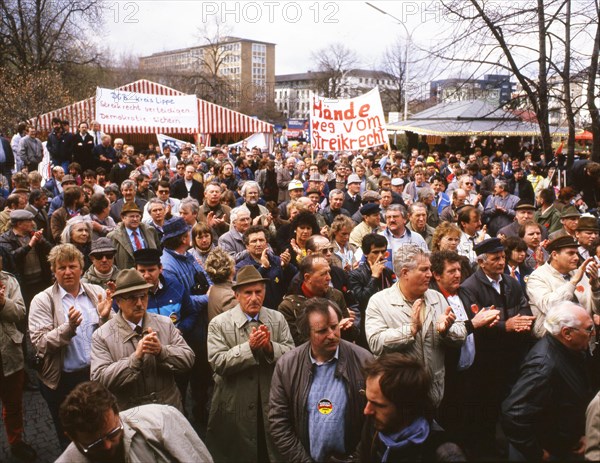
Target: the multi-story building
pixel 292 91
pixel 246 66
pixel 495 88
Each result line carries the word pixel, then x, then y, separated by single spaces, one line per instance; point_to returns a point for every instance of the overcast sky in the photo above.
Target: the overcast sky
pixel 297 28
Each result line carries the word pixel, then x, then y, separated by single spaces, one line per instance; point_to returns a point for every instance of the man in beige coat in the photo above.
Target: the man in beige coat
pixel 560 279
pixel 244 344
pixel 136 354
pixel 148 433
pixel 410 318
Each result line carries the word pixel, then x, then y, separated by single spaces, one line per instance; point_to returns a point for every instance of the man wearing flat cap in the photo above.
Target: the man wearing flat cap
pixel 136 354
pixel 563 279
pixel 523 212
pixel 370 223
pixel 103 271
pixel 29 251
pixel 244 344
pixel 569 218
pixel 586 232
pixel 131 235
pixel 499 349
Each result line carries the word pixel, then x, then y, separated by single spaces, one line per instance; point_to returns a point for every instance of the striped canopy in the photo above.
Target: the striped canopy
pixel 212 118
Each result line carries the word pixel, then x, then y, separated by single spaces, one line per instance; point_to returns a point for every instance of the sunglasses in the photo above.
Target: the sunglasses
pixel 98 444
pixel 108 255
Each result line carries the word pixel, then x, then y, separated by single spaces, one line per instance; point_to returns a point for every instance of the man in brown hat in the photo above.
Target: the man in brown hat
pixel 131 235
pixel 136 354
pixel 587 231
pixel 563 279
pixel 244 344
pixel 569 218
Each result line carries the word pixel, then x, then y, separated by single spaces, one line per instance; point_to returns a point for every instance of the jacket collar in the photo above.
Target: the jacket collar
pixel 239 317
pixel 126 332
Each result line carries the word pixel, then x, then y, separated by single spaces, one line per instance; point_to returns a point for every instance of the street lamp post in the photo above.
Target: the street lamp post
pixel 408 43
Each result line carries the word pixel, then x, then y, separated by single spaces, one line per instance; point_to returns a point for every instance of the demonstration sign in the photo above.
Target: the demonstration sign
pixel 143 110
pixel 341 125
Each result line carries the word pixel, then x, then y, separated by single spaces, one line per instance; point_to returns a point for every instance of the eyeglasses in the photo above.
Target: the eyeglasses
pixel 101 256
pixel 134 297
pixel 588 330
pixel 468 183
pixel 110 436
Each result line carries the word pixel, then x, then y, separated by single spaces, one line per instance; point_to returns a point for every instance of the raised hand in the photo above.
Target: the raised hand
pixel 415 318
pixel 445 321
pixel 105 305
pixel 75 318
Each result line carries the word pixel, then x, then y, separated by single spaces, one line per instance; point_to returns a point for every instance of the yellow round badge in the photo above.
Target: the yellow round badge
pixel 325 406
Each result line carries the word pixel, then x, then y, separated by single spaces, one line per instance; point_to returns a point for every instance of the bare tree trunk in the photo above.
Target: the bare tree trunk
pixel 591 91
pixel 567 89
pixel 542 111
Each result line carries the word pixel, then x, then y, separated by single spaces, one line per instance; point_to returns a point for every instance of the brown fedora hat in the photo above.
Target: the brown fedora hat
pixel 130 207
pixel 130 280
pixel 248 275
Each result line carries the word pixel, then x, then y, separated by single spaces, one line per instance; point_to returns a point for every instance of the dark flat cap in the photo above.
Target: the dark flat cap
pixel 102 246
pixel 19 215
pixel 370 209
pixel 488 246
pixel 560 243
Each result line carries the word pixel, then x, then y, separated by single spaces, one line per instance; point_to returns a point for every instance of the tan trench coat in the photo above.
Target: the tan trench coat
pixel 240 377
pixel 134 381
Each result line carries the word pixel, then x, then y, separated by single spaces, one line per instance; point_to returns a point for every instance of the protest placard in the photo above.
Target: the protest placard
pixel 352 124
pixel 153 112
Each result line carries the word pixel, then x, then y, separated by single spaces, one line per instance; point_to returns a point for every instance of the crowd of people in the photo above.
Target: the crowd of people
pixel 358 306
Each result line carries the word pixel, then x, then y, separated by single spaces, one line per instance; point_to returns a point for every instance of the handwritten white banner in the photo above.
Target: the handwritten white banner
pixel 344 125
pixel 143 110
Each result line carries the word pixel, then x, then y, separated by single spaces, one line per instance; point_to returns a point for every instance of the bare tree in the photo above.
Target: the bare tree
pixel 334 63
pixel 591 87
pixel 39 34
pixel 394 64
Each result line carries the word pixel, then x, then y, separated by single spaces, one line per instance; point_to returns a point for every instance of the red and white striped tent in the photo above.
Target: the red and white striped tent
pixel 212 118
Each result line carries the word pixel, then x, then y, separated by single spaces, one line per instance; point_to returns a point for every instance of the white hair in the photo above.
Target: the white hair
pixel 233 215
pixel 406 257
pixel 562 315
pixel 250 184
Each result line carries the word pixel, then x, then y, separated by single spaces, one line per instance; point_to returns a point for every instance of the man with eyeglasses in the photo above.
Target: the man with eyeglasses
pixel 99 433
pixel 544 415
pixel 136 354
pixel 131 235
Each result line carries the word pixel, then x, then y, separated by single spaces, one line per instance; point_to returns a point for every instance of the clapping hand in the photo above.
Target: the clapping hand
pixel 415 318
pixel 260 338
pixel 105 305
pixel 75 319
pixel 445 321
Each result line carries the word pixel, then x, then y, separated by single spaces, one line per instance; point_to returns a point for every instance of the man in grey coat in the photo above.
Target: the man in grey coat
pixel 31 150
pixel 136 354
pixel 244 344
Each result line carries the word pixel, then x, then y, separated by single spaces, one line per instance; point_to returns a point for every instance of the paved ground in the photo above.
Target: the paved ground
pixel 39 430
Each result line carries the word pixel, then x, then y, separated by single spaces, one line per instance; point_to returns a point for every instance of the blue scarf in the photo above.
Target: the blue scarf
pixel 416 433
